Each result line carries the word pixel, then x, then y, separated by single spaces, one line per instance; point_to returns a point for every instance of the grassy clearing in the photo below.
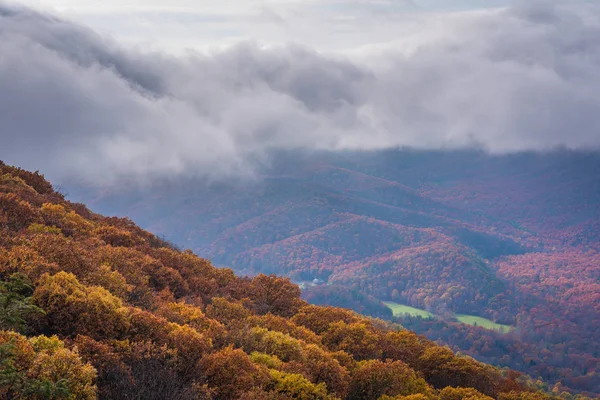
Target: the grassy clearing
pixel 401 309
pixel 483 322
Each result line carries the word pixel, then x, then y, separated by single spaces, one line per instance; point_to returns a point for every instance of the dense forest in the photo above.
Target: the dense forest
pixel 95 307
pixel 512 238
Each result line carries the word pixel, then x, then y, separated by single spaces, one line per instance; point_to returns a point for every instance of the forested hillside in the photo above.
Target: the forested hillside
pixel 512 238
pixel 92 307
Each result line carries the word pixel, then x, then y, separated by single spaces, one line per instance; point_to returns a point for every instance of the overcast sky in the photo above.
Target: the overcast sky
pixel 176 25
pixel 102 91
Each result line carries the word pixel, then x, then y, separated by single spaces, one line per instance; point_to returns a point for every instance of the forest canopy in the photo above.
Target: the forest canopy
pixel 95 307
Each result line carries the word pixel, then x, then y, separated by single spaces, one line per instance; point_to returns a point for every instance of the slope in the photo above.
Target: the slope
pixel 433 230
pixel 133 317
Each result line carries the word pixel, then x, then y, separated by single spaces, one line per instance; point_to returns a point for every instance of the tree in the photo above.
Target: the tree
pixel 320 367
pixel 442 368
pixel 155 373
pixel 450 393
pixel 43 368
pixel 404 346
pixel 374 378
pixel 297 387
pixel 318 318
pixel 276 295
pixel 16 304
pixel 55 363
pixel 72 308
pixel 357 339
pixel 231 372
pixel 191 346
pixel 17 213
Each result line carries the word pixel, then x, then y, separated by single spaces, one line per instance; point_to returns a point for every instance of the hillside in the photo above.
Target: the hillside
pixel 96 307
pixel 499 237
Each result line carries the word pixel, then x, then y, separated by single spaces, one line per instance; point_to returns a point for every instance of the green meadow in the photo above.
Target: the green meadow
pixel 483 322
pixel 401 310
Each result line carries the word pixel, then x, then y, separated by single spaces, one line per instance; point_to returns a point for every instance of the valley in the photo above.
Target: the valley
pixel 513 239
pixel 94 307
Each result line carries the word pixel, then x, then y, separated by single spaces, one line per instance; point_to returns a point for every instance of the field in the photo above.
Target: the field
pixel 483 322
pixel 401 309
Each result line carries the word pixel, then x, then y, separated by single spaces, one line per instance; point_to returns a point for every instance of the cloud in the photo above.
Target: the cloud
pixel 181 24
pixel 75 103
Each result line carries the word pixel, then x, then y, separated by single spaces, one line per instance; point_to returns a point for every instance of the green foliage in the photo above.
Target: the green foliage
pixel 16 303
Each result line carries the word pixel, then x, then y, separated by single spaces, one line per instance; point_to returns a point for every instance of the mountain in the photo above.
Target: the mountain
pixel 511 238
pixel 95 307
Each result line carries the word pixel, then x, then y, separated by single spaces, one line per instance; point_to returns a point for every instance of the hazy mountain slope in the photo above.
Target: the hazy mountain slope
pixel 95 307
pixel 445 231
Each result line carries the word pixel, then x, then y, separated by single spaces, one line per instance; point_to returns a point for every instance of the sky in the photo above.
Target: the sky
pixel 178 25
pixel 140 89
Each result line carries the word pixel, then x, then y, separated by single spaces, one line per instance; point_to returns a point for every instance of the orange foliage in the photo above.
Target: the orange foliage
pixel 157 323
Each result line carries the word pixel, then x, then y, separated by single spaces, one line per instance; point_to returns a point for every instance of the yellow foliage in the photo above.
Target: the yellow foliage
pixel 47 359
pixel 283 346
pixel 41 228
pixel 451 393
pixel 68 221
pixel 226 311
pixel 111 280
pixel 269 361
pixel 357 339
pixel 72 307
pixel 13 183
pixel 117 237
pixel 297 387
pixel 24 352
pixel 25 260
pixel 58 363
pixel 280 324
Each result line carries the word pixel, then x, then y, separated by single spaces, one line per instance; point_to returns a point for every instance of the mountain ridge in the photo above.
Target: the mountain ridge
pixel 333 216
pixel 117 312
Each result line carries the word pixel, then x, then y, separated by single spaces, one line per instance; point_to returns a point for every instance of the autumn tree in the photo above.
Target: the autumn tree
pixel 450 393
pixel 318 318
pixel 43 368
pixel 297 386
pixel 72 307
pixel 276 295
pixel 231 372
pixel 442 368
pixel 17 213
pixel 374 378
pixel 357 339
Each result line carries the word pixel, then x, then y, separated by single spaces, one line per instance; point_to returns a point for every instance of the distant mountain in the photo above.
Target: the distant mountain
pixel 460 232
pixel 93 307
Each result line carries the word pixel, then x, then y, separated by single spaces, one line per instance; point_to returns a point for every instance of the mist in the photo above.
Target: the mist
pixel 77 104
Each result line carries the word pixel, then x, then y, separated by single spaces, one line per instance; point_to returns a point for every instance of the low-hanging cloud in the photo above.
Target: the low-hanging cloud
pixel 75 103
